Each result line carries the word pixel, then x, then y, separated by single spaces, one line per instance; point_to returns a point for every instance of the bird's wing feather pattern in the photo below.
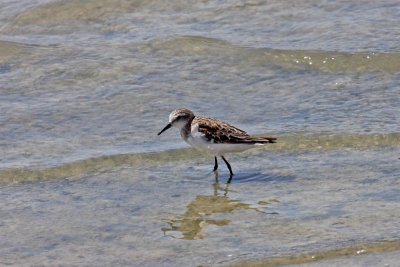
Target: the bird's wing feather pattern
pixel 220 132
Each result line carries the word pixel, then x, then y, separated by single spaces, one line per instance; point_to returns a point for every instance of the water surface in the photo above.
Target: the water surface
pixel 85 87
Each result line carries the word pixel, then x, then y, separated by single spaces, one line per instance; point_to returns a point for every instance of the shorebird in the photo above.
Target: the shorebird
pixel 213 136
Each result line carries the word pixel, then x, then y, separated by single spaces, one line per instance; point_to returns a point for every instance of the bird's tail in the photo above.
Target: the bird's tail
pixel 263 139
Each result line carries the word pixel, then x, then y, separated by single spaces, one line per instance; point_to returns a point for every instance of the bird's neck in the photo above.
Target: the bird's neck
pixel 186 130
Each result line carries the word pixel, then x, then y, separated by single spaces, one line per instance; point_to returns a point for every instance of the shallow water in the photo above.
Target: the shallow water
pixel 85 87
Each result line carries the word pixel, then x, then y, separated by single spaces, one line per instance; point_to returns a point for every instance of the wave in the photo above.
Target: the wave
pixel 325 61
pixel 322 255
pixel 294 143
pixel 9 50
pixel 73 10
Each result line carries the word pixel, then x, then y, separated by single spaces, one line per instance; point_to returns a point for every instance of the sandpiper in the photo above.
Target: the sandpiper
pixel 213 136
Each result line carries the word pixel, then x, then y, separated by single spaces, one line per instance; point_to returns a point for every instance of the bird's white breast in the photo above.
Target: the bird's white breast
pixel 200 142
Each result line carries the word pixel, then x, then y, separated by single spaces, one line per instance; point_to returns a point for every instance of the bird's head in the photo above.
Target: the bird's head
pixel 178 118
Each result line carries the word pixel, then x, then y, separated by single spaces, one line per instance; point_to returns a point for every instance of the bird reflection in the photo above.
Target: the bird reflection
pixel 198 215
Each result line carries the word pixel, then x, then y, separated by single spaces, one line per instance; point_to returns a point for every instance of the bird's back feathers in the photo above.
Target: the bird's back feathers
pixel 221 132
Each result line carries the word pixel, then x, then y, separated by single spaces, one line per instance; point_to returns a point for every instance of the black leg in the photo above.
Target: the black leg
pixel 228 165
pixel 216 164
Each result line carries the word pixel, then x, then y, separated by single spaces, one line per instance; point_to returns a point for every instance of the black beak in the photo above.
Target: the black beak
pixel 165 128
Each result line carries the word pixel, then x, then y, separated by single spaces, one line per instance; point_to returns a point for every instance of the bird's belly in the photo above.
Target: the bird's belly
pixel 216 149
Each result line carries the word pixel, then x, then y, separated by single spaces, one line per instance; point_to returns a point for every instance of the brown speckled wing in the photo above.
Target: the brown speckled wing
pixel 221 132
